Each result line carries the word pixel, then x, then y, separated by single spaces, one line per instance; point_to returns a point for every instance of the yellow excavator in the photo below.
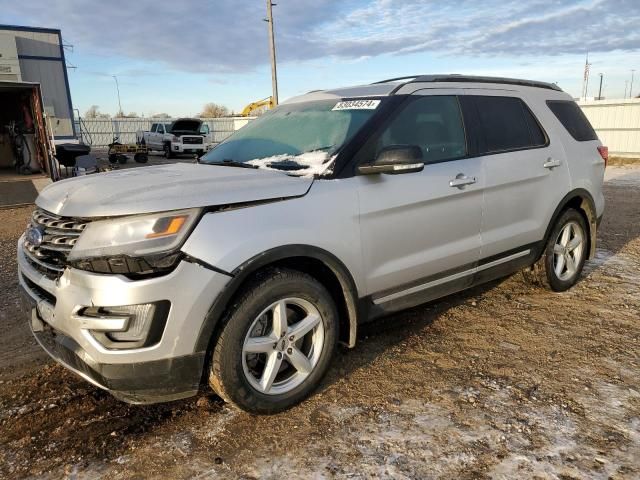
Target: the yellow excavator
pixel 254 107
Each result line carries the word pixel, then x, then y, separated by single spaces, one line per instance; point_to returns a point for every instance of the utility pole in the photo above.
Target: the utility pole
pixel 631 86
pixel 272 50
pixel 600 89
pixel 585 81
pixel 118 90
pixel 626 84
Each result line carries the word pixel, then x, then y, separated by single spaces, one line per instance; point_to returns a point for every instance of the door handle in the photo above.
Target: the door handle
pixel 551 163
pixel 461 181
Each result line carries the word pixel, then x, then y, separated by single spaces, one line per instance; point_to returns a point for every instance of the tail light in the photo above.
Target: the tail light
pixel 604 153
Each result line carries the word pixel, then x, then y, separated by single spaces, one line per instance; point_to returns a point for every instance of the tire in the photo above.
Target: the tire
pixel 141 158
pixel 241 378
pixel 122 159
pixel 113 158
pixel 167 151
pixel 564 255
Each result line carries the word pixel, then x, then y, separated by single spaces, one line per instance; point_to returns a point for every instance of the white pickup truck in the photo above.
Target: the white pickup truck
pixel 185 135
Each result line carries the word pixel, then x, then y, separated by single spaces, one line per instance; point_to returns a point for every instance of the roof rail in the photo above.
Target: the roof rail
pixel 476 79
pixel 410 77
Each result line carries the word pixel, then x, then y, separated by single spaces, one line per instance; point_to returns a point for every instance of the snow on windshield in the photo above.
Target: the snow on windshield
pixel 311 163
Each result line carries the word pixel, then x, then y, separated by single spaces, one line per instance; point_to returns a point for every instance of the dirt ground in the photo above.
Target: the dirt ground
pixel 503 381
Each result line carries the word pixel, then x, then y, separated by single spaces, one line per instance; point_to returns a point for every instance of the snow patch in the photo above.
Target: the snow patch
pixel 311 163
pixel 623 176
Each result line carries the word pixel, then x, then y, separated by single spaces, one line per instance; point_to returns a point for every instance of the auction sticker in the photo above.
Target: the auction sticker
pixel 364 104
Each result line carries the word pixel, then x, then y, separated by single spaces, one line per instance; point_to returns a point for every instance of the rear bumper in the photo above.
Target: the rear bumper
pixel 140 383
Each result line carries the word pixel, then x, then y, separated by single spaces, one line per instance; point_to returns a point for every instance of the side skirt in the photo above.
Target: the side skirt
pixel 446 283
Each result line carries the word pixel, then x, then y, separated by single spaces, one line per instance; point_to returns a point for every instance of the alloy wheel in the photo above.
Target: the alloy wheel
pixel 567 251
pixel 283 346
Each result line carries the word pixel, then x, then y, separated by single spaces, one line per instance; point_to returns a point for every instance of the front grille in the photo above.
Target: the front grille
pixel 39 292
pixel 192 140
pixel 59 236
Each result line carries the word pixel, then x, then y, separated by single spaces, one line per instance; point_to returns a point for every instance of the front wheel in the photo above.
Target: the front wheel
pixel 277 343
pixel 565 253
pixel 167 151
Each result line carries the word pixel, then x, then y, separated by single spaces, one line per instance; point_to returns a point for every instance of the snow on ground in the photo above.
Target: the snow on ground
pixel 623 175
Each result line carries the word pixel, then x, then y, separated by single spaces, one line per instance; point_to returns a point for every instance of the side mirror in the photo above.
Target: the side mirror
pixel 395 159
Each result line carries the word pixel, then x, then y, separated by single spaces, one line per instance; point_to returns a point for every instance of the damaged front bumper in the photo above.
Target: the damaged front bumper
pixel 168 369
pixel 139 383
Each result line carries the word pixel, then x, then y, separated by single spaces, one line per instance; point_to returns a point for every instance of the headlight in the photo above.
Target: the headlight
pixel 175 139
pixel 135 236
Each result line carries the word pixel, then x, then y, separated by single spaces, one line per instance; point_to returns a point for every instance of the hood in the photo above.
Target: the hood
pixel 166 187
pixel 186 125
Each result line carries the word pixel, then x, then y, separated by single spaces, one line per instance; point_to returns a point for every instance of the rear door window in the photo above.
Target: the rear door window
pixel 538 137
pixel 507 124
pixel 573 119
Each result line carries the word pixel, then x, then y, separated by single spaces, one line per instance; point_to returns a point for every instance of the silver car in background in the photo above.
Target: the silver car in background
pixel 244 271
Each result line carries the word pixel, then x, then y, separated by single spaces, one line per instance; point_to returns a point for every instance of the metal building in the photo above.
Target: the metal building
pixel 31 54
pixel 617 123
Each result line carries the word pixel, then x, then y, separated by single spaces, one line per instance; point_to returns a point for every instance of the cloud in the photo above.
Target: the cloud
pixel 230 36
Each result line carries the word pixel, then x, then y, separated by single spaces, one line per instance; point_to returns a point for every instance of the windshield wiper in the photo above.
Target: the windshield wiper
pixel 233 163
pixel 291 164
pixel 319 149
pixel 287 164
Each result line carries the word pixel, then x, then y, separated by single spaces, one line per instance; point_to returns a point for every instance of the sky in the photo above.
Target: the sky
pixel 173 57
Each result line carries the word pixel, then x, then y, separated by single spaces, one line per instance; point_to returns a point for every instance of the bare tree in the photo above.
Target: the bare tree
pixel 213 110
pixel 92 112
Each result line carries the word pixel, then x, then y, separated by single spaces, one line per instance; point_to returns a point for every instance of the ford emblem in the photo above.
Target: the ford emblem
pixel 34 236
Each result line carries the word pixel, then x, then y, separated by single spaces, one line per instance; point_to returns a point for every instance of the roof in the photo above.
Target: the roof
pixel 390 86
pixel 22 28
pixel 474 79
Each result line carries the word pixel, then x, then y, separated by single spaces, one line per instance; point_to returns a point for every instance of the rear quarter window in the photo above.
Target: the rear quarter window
pixel 573 119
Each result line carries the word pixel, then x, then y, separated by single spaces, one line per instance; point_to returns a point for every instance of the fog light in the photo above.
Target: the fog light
pixel 143 327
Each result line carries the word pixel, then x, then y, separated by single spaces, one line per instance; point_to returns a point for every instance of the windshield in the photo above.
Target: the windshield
pixel 299 138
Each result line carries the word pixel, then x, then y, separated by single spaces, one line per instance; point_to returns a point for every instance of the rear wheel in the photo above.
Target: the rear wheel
pixel 565 253
pixel 277 343
pixel 141 157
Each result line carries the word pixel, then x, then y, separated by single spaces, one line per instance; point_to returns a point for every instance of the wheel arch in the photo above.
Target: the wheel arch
pixel 319 263
pixel 582 201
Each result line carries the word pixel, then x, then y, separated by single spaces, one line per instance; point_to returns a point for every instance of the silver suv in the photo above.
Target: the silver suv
pixel 245 271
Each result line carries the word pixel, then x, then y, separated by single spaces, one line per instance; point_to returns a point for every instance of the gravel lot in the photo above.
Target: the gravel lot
pixel 503 381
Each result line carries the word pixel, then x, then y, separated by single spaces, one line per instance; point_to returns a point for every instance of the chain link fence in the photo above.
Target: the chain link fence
pixel 100 132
